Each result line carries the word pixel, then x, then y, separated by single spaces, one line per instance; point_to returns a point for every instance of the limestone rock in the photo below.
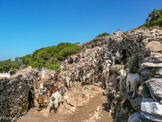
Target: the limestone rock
pixel 150 64
pixel 143 91
pixel 155 57
pixel 149 118
pixel 147 73
pixel 90 51
pixel 136 104
pixel 158 71
pixel 116 68
pixel 151 107
pixel 155 87
pixel 135 117
pixel 154 46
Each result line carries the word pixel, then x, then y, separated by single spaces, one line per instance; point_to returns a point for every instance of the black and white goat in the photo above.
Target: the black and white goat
pixel 56 99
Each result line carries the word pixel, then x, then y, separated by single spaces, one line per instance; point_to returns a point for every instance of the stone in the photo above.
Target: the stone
pixel 149 118
pixel 155 87
pixel 154 46
pixel 136 104
pixel 152 65
pixel 147 73
pixel 135 117
pixel 143 91
pixel 156 59
pixel 1 98
pixel 116 67
pixel 153 108
pixel 158 71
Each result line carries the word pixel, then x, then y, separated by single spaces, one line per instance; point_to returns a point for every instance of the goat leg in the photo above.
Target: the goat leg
pixel 55 109
pixel 50 110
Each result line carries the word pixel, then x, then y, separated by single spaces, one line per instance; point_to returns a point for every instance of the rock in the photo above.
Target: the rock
pixel 116 68
pixel 155 87
pixel 152 65
pixel 155 57
pixel 90 51
pixel 149 118
pixel 136 104
pixel 135 117
pixel 154 46
pixel 147 73
pixel 143 92
pixel 151 107
pixel 158 71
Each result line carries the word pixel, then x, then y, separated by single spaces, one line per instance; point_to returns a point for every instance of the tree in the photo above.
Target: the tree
pixel 103 34
pixel 154 19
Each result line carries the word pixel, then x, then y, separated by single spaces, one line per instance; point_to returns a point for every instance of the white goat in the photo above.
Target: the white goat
pixel 122 77
pixel 67 81
pixel 106 75
pixel 56 99
pixel 106 71
pixel 62 67
pixel 131 82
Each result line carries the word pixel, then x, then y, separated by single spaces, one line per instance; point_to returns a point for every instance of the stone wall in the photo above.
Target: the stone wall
pixel 13 97
pixel 14 94
pixel 144 57
pixel 139 51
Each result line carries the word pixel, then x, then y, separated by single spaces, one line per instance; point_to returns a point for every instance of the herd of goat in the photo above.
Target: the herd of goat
pixel 91 65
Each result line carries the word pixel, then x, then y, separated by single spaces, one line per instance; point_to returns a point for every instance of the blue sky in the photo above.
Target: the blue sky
pixel 27 25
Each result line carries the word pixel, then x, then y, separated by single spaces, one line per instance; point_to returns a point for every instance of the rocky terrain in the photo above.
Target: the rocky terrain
pixel 126 67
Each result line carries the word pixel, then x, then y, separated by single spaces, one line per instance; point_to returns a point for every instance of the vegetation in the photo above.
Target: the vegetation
pixel 154 19
pixel 7 65
pixel 103 34
pixel 49 57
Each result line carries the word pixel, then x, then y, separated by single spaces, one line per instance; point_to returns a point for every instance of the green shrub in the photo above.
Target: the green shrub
pixel 50 57
pixel 7 65
pixel 154 19
pixel 103 34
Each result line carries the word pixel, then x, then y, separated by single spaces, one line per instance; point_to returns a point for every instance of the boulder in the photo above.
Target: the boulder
pixel 153 108
pixel 143 91
pixel 135 117
pixel 152 65
pixel 155 87
pixel 155 57
pixel 90 51
pixel 158 71
pixel 136 104
pixel 116 67
pixel 154 46
pixel 149 118
pixel 147 73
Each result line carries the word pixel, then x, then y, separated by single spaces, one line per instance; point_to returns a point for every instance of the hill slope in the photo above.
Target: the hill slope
pixel 49 57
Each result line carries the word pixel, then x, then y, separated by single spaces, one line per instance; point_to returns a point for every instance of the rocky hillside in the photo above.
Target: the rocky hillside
pixel 126 65
pixel 137 52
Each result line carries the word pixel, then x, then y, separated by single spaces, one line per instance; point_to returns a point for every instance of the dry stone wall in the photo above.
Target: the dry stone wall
pixel 136 51
pixel 14 94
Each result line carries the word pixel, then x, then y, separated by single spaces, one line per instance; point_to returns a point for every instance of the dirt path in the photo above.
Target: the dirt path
pixel 91 112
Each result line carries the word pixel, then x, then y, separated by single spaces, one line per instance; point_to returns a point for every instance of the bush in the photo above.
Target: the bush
pixel 50 57
pixel 103 34
pixel 154 19
pixel 7 65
